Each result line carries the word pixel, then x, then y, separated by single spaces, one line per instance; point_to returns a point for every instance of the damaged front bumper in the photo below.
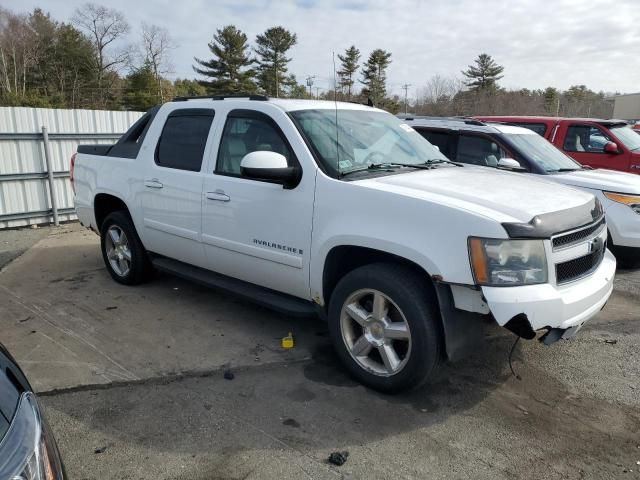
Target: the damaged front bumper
pixel 562 309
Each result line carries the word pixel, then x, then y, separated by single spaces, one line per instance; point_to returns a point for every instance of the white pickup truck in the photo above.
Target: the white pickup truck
pixel 344 211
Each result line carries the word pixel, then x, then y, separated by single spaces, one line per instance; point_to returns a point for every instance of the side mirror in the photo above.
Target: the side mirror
pixel 611 147
pixel 268 166
pixel 510 164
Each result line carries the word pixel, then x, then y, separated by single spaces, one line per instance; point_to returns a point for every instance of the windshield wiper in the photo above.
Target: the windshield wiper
pixel 442 160
pixel 387 165
pixel 428 165
pixel 382 165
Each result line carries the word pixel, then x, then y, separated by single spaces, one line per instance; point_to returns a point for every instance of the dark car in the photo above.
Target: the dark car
pixel 28 450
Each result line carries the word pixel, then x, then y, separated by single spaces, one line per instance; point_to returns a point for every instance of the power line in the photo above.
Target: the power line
pixel 406 92
pixel 310 83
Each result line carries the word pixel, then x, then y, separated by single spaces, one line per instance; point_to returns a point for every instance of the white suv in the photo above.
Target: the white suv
pixel 345 211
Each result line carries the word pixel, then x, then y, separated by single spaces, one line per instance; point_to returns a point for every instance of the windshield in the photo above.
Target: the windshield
pixel 541 152
pixel 363 138
pixel 627 136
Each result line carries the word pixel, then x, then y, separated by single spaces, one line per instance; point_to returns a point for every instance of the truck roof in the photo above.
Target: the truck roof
pixel 467 124
pixel 545 119
pixel 285 104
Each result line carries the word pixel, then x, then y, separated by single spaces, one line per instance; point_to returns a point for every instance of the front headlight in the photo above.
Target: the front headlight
pixel 501 263
pixel 632 201
pixel 28 451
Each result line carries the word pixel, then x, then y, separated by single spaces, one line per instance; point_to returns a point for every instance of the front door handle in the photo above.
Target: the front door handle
pixel 153 183
pixel 218 195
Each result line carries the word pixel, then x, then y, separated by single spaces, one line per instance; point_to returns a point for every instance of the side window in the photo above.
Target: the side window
pixel 183 139
pixel 244 135
pixel 438 139
pixel 477 150
pixel 585 138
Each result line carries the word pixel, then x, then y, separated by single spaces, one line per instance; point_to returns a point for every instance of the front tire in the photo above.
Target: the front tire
pixel 122 251
pixel 384 326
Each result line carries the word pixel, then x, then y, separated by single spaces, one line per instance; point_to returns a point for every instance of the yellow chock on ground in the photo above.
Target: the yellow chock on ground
pixel 287 342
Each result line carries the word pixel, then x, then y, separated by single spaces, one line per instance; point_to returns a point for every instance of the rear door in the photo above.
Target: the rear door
pixel 171 199
pixel 585 142
pixel 478 149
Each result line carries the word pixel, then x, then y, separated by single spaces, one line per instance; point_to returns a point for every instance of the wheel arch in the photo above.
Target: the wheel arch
pixel 342 259
pixel 106 203
pixel 460 331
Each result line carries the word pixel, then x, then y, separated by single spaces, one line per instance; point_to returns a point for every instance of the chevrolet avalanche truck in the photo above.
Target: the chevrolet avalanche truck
pixel 343 210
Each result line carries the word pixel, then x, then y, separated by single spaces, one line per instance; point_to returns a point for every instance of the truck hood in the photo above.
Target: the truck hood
pixel 600 179
pixel 503 196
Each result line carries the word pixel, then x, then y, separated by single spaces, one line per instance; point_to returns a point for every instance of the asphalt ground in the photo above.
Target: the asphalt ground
pixel 131 379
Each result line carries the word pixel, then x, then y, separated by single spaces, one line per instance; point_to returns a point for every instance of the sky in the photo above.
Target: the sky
pixel 540 43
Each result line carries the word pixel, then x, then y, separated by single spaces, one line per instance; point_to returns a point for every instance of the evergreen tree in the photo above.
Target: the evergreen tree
pixel 141 89
pixel 188 88
pixel 272 48
pixel 484 74
pixel 230 70
pixel 374 76
pixel 348 67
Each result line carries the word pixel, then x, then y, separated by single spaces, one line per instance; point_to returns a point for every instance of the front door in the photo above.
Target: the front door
pixel 585 144
pixel 171 199
pixel 255 230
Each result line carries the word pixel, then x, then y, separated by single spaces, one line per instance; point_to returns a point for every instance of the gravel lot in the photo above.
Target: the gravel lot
pixel 131 380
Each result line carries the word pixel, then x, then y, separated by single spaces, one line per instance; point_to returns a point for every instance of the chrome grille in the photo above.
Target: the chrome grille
pixel 576 236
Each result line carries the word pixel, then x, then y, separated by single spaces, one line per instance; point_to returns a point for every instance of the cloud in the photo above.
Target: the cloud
pixel 540 44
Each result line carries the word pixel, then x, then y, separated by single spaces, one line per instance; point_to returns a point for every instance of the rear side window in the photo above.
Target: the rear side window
pixel 438 139
pixel 183 139
pixel 476 150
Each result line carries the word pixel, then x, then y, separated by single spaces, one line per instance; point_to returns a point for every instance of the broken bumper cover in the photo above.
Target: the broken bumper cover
pixel 550 306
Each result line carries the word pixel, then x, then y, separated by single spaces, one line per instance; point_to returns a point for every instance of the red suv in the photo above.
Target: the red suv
pixel 596 143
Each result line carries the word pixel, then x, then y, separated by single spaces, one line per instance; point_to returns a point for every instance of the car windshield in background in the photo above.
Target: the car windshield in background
pixel 543 153
pixel 363 138
pixel 627 136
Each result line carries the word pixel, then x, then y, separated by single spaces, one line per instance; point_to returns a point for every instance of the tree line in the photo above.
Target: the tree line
pixel 91 61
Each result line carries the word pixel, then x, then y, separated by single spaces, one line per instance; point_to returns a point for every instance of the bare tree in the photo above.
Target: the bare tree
pixel 105 26
pixel 18 52
pixel 437 94
pixel 157 44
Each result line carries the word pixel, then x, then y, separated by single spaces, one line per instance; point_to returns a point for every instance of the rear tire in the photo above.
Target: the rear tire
pixel 385 326
pixel 122 251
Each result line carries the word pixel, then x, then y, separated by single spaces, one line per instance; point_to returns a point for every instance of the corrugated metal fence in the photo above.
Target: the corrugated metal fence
pixel 26 183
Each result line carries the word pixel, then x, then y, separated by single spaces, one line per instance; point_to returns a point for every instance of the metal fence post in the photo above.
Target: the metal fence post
pixel 52 190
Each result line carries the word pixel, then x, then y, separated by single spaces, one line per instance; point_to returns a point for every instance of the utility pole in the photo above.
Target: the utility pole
pixel 317 92
pixel 406 90
pixel 310 83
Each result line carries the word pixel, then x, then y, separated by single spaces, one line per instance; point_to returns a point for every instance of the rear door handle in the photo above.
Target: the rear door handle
pixel 153 183
pixel 219 196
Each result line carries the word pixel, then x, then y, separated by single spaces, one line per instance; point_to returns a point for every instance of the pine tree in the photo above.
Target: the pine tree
pixel 141 91
pixel 230 70
pixel 348 67
pixel 374 75
pixel 484 74
pixel 272 48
